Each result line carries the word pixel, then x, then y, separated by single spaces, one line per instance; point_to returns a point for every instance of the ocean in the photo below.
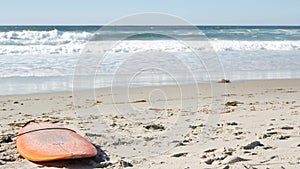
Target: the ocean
pixel 38 59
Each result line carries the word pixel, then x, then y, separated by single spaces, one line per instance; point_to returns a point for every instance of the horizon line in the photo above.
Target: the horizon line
pixel 150 25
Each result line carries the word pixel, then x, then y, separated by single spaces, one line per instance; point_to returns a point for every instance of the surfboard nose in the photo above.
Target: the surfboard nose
pixel 47 142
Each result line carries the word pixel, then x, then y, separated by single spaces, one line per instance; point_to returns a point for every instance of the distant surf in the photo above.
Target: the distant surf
pixel 37 40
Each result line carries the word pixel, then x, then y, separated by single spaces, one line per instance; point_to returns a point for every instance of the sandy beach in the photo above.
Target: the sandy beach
pixel 254 124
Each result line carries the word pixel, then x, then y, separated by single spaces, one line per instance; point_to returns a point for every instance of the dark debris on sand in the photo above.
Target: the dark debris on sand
pixel 287 128
pixel 179 154
pixel 6 139
pixel 224 81
pixel 253 145
pixel 237 159
pixel 283 137
pixel 231 124
pixel 209 161
pixel 125 164
pixel 155 127
pixel 233 103
pixel 210 150
pixel 139 101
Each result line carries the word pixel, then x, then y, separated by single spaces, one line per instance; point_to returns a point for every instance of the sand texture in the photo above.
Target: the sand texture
pixel 245 124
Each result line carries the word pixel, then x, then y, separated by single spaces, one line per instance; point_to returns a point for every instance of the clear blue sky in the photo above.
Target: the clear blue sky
pixel 212 12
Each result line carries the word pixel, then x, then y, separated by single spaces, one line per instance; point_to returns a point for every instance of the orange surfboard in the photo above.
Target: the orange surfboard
pixel 46 142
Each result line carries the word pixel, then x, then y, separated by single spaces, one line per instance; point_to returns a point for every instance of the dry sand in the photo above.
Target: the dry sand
pixel 246 124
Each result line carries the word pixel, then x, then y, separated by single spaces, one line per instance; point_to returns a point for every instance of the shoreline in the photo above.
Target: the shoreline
pixel 253 124
pixel 156 86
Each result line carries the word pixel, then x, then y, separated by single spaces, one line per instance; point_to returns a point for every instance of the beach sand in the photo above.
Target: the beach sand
pixel 246 124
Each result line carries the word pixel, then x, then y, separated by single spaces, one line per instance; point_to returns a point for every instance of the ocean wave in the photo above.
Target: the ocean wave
pixel 72 42
pixel 72 48
pixel 132 46
pixel 53 37
pixel 42 42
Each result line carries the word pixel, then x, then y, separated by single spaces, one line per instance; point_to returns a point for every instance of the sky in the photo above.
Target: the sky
pixel 198 12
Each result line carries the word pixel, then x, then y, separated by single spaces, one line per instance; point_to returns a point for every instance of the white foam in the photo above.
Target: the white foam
pixel 218 45
pixel 226 45
pixel 42 42
pixel 68 43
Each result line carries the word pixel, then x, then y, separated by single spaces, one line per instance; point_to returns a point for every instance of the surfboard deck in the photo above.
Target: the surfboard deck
pixel 45 141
